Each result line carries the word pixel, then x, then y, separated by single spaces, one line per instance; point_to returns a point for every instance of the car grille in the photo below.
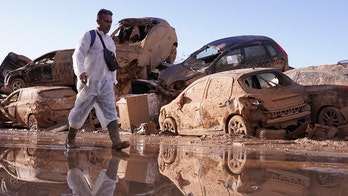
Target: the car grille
pixel 288 111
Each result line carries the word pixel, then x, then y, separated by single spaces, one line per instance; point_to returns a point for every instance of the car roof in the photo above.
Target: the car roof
pixel 239 72
pixel 228 42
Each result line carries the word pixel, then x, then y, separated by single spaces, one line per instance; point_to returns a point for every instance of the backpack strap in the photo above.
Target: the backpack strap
pixel 92 33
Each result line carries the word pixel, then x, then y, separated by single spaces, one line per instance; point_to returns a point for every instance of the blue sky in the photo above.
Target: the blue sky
pixel 312 32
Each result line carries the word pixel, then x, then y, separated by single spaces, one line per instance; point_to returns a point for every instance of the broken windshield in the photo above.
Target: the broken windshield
pixel 202 57
pixel 266 80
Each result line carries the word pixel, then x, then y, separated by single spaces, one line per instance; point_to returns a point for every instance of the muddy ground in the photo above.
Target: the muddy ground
pixel 165 164
pixel 100 138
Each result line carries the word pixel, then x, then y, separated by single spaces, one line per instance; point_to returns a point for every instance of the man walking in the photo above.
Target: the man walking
pixel 95 83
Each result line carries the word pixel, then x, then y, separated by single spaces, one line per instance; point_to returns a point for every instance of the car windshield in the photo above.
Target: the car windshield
pixel 202 58
pixel 48 59
pixel 267 80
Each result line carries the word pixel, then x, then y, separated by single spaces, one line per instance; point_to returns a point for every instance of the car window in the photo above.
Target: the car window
pixel 13 98
pixel 267 80
pixel 47 59
pixel 204 57
pixel 272 51
pixel 229 61
pixel 256 51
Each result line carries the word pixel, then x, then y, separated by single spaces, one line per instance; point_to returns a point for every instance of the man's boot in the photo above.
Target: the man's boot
pixel 71 141
pixel 114 135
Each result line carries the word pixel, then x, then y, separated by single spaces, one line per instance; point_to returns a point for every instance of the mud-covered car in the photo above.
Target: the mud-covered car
pixel 229 53
pixel 51 69
pixel 36 107
pixel 327 87
pixel 141 45
pixel 237 102
pixel 11 62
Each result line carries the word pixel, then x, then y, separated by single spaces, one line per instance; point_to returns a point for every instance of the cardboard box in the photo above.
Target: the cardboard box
pixel 133 110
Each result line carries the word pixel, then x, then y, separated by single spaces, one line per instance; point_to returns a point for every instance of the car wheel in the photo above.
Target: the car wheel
pixel 17 84
pixel 238 125
pixel 32 123
pixel 168 154
pixel 169 124
pixel 172 56
pixel 10 182
pixel 330 116
pixel 235 161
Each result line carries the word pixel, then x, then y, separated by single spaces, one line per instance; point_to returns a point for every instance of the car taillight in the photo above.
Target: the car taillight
pixel 250 102
pixel 282 50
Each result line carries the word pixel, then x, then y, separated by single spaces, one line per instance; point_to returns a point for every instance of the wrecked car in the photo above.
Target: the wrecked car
pixel 53 68
pixel 11 62
pixel 229 53
pixel 237 102
pixel 141 45
pixel 251 171
pixel 36 107
pixel 327 86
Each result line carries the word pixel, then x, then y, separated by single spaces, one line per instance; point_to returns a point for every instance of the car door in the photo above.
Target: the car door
pixel 213 107
pixel 229 61
pixel 189 114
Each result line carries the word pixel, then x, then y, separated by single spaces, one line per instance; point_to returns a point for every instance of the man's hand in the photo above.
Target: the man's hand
pixel 83 77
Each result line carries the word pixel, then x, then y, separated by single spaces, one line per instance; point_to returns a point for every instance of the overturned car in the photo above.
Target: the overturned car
pixel 141 45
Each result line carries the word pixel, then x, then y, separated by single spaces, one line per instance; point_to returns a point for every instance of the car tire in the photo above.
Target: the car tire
pixel 17 84
pixel 168 154
pixel 235 161
pixel 238 125
pixel 330 116
pixel 169 125
pixel 172 55
pixel 32 123
pixel 11 182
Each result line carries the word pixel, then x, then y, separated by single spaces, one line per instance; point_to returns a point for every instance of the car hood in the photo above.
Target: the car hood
pixel 177 72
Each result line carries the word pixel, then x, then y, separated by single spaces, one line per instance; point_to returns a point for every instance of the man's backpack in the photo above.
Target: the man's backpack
pixel 93 34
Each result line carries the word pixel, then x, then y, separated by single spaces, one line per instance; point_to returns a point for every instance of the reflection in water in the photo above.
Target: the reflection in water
pixel 85 171
pixel 168 169
pixel 78 179
pixel 243 171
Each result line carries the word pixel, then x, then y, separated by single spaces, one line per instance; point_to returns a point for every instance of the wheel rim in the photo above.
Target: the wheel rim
pixel 330 116
pixel 237 125
pixel 17 84
pixel 236 161
pixel 33 123
pixel 170 125
pixel 168 154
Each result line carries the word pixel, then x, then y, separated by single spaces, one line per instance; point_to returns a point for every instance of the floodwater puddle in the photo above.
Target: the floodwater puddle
pixel 157 167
